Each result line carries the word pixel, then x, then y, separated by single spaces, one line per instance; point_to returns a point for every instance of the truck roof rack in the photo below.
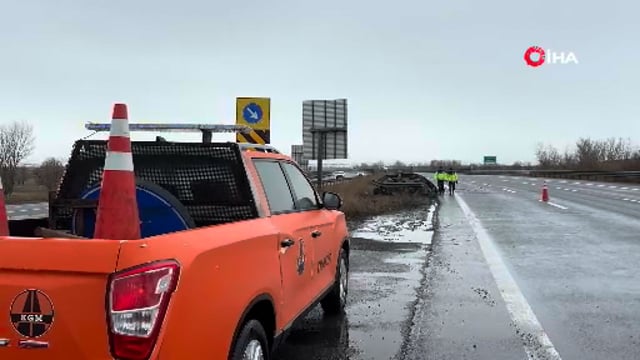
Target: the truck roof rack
pixel 205 129
pixel 258 147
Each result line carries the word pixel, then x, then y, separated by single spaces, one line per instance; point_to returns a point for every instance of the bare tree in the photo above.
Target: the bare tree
pixel 569 158
pixel 618 149
pixel 16 144
pixel 49 173
pixel 589 153
pixel 548 156
pixel 21 175
pixel 399 165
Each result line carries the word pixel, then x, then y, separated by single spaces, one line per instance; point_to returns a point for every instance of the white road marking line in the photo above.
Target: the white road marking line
pixel 558 188
pixel 633 200
pixel 625 199
pixel 613 187
pixel 634 189
pixel 563 182
pixel 557 205
pixel 36 209
pixel 566 189
pixel 537 344
pixel 10 211
pixel 589 184
pixel 624 188
pixel 577 183
pixel 601 185
pixel 574 190
pixel 23 210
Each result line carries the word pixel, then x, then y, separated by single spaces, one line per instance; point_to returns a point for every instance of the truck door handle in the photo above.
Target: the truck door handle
pixel 316 233
pixel 287 243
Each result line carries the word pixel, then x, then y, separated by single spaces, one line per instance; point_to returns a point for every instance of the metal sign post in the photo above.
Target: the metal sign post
pixel 324 131
pixel 322 146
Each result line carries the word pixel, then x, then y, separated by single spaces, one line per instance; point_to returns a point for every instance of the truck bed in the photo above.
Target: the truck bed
pixel 206 181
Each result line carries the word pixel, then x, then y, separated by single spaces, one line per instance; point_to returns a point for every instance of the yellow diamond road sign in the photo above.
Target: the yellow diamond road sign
pixel 255 113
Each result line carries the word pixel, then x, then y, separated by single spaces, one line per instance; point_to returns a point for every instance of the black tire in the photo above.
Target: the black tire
pixel 334 303
pixel 251 332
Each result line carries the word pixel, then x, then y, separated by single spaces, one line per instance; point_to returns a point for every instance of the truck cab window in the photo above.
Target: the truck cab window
pixel 275 186
pixel 303 193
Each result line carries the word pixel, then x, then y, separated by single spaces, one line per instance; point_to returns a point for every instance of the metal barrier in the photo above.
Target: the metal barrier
pixel 595 175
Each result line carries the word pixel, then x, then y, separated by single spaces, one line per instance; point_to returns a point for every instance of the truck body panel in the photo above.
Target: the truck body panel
pixel 55 296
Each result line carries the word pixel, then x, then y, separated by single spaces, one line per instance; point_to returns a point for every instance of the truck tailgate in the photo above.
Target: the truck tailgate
pixel 52 293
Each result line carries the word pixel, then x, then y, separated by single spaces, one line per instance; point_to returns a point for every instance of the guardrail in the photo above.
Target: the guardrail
pixel 329 182
pixel 596 175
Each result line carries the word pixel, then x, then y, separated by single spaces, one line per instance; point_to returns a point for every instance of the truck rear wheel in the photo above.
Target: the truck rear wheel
pixel 335 301
pixel 251 343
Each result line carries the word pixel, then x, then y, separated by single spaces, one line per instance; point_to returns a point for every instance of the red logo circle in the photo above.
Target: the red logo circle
pixel 534 50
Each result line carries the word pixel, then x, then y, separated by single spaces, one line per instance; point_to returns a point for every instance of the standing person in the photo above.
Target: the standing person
pixel 452 178
pixel 440 177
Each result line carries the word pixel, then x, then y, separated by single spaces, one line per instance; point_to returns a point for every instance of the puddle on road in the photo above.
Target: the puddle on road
pixel 409 227
pixel 386 294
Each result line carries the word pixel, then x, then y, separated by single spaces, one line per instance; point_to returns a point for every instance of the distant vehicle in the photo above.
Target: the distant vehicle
pixel 339 175
pixel 238 247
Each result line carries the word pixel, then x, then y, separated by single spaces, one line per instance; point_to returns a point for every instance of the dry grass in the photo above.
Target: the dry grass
pixel 28 193
pixel 360 202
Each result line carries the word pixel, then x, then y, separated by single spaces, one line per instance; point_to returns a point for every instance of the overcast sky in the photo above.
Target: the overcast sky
pixel 424 80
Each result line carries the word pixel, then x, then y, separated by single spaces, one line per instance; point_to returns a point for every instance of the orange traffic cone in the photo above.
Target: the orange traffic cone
pixel 545 192
pixel 4 219
pixel 117 217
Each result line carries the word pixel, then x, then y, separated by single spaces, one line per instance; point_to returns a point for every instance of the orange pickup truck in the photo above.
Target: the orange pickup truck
pixel 254 248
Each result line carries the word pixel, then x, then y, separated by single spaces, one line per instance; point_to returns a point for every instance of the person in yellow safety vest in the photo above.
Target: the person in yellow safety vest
pixel 452 178
pixel 440 177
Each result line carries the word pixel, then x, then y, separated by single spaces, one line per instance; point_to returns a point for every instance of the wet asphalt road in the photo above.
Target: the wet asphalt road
pixel 571 263
pixel 387 262
pixel 27 211
pixel 577 265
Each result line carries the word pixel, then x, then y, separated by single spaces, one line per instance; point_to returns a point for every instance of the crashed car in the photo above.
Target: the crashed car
pixel 404 182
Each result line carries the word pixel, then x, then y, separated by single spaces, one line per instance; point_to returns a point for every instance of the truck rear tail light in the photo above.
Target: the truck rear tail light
pixel 137 304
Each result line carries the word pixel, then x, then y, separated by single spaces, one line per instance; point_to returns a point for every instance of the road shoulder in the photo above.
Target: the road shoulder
pixel 460 313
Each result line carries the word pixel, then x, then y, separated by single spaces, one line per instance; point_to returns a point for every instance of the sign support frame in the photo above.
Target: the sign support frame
pixel 322 139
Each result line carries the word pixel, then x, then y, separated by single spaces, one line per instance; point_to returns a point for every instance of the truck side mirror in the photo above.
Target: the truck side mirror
pixel 331 201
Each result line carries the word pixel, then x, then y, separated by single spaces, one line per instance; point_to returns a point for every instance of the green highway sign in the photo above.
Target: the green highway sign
pixel 490 160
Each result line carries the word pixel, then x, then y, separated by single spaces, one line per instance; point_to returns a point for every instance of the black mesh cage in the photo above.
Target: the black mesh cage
pixel 208 179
